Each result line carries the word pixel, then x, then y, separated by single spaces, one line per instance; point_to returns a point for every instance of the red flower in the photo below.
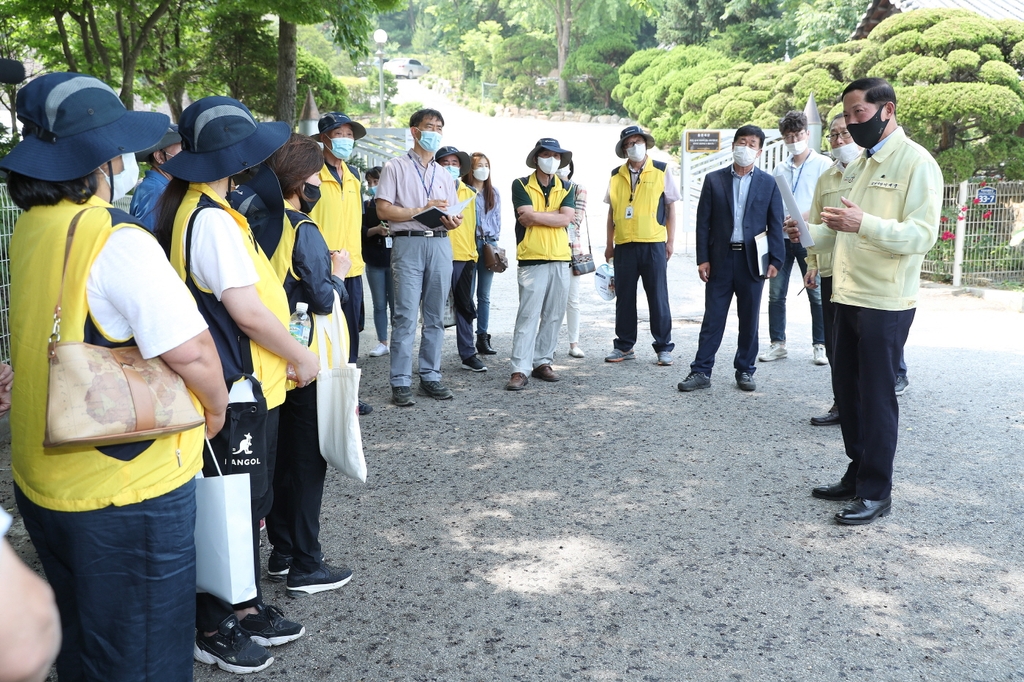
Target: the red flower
pixel 986 215
pixel 947 235
pixel 983 183
pixel 944 219
pixel 977 200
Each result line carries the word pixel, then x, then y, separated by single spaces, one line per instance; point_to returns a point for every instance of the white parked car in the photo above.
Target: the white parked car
pixel 406 68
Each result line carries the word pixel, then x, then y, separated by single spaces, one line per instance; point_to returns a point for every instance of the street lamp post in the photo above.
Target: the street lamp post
pixel 380 36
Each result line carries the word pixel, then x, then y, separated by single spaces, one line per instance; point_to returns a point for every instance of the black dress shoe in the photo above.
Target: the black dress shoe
pixel 830 418
pixel 483 345
pixel 861 512
pixel 839 492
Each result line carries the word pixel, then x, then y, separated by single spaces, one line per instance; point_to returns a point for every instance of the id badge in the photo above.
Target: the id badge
pixel 629 212
pixel 387 242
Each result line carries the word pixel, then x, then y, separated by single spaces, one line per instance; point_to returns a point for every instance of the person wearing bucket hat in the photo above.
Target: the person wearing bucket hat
pixel 544 207
pixel 155 180
pixel 641 231
pixel 421 257
pixel 118 520
pixel 339 213
pixel 464 255
pixel 577 228
pixel 238 292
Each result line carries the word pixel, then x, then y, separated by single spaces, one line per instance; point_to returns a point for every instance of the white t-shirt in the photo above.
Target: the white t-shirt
pixel 219 259
pixel 132 290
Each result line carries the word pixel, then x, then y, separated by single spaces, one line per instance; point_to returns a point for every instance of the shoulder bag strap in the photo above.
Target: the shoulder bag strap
pixel 55 334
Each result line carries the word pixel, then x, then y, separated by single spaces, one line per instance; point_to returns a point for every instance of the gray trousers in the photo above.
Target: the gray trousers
pixel 421 268
pixel 543 292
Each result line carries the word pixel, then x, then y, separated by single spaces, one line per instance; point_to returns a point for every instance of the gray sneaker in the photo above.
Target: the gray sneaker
pixel 435 390
pixel 620 355
pixel 693 381
pixel 402 396
pixel 665 358
pixel 902 385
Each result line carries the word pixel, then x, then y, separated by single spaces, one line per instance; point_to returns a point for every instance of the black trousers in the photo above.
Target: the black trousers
pixel 293 525
pixel 868 346
pixel 210 610
pixel 729 277
pixel 828 310
pixel 635 261
pixel 353 309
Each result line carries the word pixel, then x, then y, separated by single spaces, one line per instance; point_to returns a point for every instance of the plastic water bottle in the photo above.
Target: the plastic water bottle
pixel 300 325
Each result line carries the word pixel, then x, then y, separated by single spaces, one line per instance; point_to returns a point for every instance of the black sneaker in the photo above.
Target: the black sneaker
pixel 745 381
pixel 694 381
pixel 231 649
pixel 277 566
pixel 321 580
pixel 402 396
pixel 364 408
pixel 902 384
pixel 474 364
pixel 269 627
pixel 435 390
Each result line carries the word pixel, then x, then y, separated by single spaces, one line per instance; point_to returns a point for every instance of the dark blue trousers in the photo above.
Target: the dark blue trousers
pixel 125 582
pixel 729 277
pixel 635 261
pixel 353 309
pixel 869 344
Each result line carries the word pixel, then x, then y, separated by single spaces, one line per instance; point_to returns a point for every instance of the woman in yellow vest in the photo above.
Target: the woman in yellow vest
pixel 237 291
pixel 464 255
pixel 311 275
pixel 114 526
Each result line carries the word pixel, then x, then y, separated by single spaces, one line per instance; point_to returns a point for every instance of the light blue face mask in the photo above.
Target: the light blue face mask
pixel 341 147
pixel 454 170
pixel 372 191
pixel 430 140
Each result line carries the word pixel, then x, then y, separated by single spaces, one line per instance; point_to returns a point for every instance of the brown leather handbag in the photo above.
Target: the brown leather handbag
pixel 104 396
pixel 495 259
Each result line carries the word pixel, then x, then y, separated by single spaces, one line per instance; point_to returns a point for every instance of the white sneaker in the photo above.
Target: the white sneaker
pixel 380 350
pixel 820 357
pixel 777 351
pixel 576 352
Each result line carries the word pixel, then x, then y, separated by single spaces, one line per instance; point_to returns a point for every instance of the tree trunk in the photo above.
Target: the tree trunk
pixel 65 45
pixel 563 26
pixel 287 65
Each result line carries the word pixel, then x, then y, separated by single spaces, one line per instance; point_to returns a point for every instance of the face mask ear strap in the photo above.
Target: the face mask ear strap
pixel 109 176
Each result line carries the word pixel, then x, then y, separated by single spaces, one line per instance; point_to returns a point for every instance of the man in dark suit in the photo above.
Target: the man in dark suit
pixel 737 204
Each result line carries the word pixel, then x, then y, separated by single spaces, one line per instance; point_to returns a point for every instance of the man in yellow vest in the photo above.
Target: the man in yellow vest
pixel 339 213
pixel 641 231
pixel 544 207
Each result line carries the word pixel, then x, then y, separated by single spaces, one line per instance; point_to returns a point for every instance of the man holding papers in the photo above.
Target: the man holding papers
pixel 544 206
pixel 421 256
pixel 740 209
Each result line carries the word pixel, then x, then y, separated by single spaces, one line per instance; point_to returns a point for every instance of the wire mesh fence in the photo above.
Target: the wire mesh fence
pixel 991 214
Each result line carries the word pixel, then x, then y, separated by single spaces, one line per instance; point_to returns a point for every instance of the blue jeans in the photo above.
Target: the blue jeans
pixel 484 277
pixel 125 582
pixel 382 291
pixel 778 287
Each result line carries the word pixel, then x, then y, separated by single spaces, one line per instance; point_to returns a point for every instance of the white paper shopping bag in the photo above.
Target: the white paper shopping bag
pixel 224 552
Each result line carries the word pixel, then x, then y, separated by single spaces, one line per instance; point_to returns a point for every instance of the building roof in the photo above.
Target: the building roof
pixel 881 9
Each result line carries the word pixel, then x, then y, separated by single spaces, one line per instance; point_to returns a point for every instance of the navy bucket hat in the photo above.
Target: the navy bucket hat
pixel 627 133
pixel 465 164
pixel 550 144
pixel 336 119
pixel 73 124
pixel 220 138
pixel 170 137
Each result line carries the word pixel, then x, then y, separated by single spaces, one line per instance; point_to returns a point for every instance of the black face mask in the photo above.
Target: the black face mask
pixel 308 197
pixel 868 133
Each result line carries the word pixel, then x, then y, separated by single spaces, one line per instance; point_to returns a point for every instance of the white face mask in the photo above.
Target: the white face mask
pixel 743 156
pixel 637 152
pixel 123 182
pixel 847 153
pixel 563 173
pixel 548 164
pixel 481 173
pixel 797 148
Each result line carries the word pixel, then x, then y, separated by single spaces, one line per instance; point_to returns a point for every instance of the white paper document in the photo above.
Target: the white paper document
pixel 761 244
pixel 794 211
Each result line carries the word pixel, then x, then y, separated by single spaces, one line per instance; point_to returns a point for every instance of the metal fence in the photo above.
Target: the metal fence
pixel 978 221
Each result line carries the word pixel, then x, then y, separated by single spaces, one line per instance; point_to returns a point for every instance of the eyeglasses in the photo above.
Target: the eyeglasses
pixel 845 135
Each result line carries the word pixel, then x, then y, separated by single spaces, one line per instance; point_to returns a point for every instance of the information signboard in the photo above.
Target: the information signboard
pixel 703 140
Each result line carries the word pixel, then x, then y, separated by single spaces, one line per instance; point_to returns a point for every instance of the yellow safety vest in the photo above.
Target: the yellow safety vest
pixel 648 220
pixel 339 213
pixel 268 368
pixel 543 243
pixel 464 236
pixel 74 478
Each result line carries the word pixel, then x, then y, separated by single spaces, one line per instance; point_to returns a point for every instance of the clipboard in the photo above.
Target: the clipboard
pixel 432 216
pixel 794 211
